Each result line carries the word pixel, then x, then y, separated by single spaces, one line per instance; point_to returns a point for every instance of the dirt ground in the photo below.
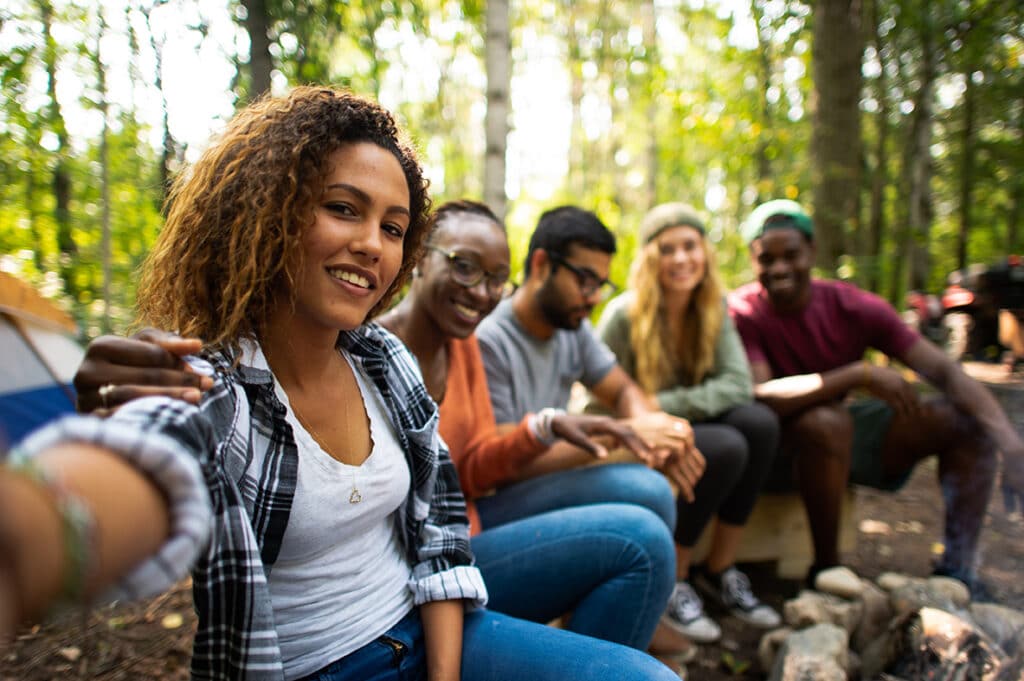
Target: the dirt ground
pixel 152 640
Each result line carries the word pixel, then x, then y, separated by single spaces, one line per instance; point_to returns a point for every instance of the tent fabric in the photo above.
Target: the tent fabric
pixel 38 360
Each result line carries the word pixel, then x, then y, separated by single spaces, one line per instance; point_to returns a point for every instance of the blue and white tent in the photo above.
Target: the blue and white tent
pixel 38 359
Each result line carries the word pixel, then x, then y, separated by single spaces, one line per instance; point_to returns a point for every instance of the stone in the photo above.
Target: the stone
pixel 890 581
pixel 875 618
pixel 769 647
pixel 1004 625
pixel 815 654
pixel 853 665
pixel 953 589
pixel 917 594
pixel 812 607
pixel 838 581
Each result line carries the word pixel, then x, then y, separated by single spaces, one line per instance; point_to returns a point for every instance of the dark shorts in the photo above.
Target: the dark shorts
pixel 871 419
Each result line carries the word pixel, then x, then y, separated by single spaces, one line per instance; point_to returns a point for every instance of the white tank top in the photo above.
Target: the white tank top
pixel 341 579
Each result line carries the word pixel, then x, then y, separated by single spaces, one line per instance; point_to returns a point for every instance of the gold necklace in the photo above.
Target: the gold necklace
pixel 354 497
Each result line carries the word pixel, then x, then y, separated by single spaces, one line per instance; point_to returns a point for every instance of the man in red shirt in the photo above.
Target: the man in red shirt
pixel 806 338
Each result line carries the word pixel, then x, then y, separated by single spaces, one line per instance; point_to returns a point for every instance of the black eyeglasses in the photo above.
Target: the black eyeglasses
pixel 467 272
pixel 587 280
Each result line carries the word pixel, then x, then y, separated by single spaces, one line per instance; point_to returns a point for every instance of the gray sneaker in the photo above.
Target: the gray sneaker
pixel 732 590
pixel 685 614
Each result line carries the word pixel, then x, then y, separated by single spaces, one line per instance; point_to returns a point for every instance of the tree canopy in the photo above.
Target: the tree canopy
pixel 900 122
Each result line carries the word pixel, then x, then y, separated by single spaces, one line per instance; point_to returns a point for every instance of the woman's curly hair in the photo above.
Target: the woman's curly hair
pixel 234 224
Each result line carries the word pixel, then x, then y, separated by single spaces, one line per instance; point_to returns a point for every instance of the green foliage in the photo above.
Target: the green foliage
pixel 641 103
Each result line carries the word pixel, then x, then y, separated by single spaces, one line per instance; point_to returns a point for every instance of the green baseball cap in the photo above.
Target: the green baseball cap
pixel 776 214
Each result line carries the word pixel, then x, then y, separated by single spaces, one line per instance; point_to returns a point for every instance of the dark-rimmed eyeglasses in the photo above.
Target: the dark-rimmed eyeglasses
pixel 467 272
pixel 587 279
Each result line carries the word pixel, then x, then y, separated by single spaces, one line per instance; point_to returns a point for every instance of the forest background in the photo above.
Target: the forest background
pixel 899 122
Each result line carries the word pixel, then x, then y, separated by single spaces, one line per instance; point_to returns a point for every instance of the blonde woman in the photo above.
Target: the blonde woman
pixel 671 332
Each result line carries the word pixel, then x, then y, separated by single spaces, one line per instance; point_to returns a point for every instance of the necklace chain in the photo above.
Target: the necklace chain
pixel 354 497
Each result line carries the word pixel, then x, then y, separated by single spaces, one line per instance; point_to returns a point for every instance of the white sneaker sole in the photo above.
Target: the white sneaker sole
pixel 698 637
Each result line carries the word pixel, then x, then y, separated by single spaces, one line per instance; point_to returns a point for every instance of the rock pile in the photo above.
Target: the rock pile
pixel 898 628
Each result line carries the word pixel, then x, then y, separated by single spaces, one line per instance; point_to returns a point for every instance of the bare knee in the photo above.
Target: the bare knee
pixel 824 432
pixel 961 443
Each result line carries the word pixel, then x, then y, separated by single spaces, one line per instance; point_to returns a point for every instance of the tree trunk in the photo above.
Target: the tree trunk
pixel 966 171
pixel 835 135
pixel 919 166
pixel 577 139
pixel 66 247
pixel 762 163
pixel 649 18
pixel 499 76
pixel 167 152
pixel 1016 196
pixel 257 25
pixel 880 174
pixel 104 152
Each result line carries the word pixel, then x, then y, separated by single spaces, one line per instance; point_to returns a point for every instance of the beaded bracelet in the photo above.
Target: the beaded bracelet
pixel 77 525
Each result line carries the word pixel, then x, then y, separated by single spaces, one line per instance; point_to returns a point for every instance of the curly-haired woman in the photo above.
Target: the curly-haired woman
pixel 308 491
pixel 671 332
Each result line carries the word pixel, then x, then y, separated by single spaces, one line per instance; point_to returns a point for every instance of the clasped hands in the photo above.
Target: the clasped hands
pixel 672 449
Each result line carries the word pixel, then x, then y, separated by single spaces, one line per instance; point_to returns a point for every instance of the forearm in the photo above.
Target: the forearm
pixel 496 458
pixel 442 632
pixel 632 401
pixel 792 394
pixel 558 457
pixel 972 398
pixel 129 514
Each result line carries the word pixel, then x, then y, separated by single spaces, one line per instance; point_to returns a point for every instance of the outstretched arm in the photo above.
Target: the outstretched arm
pixel 129 523
pixel 973 398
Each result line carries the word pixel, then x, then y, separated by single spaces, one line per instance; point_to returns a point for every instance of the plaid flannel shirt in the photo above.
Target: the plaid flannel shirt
pixel 236 637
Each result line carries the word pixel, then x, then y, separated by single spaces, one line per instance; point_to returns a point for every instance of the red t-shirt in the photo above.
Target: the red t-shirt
pixel 835 328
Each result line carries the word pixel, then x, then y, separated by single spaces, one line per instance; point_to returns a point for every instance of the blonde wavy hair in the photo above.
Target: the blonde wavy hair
pixel 234 225
pixel 663 360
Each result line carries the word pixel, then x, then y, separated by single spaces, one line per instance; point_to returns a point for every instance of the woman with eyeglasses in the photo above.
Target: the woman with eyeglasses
pixel 671 332
pixel 588 559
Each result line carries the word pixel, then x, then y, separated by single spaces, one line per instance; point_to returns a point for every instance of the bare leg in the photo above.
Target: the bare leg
pixel 822 440
pixel 967 469
pixel 724 544
pixel 684 554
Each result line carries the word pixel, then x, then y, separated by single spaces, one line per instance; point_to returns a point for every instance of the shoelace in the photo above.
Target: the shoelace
pixel 688 605
pixel 736 587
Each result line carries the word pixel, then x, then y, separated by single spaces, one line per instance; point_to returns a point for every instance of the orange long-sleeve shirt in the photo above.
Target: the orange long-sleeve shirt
pixel 483 458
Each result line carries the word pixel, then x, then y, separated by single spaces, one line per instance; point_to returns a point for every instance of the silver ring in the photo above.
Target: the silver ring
pixel 677 425
pixel 104 391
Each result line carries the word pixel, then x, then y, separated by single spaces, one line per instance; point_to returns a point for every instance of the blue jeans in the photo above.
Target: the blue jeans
pixel 614 483
pixel 496 647
pixel 612 565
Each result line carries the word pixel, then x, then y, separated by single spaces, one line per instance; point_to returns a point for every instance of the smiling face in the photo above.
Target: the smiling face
pixel 561 298
pixel 457 309
pixel 352 251
pixel 783 258
pixel 682 261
